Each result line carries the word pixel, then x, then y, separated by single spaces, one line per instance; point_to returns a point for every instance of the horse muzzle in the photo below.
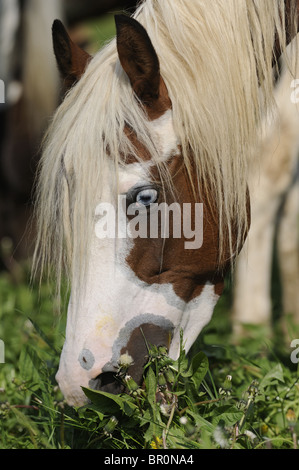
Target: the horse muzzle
pixel 141 340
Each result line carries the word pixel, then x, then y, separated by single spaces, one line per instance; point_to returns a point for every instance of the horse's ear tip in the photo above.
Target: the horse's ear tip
pixel 120 19
pixel 124 20
pixel 57 26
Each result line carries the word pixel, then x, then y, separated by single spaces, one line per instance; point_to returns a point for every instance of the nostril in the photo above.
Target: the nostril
pixel 107 382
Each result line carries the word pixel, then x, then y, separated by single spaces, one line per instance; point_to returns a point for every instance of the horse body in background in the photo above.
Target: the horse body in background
pixel 32 93
pixel 165 115
pixel 29 72
pixel 274 191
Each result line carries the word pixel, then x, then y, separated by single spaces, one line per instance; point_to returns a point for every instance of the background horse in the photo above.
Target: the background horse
pixel 32 93
pixel 31 80
pixel 128 129
pixel 274 186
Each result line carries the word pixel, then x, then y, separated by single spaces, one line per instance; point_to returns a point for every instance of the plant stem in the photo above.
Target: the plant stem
pixel 166 431
pixel 199 403
pixel 62 430
pixel 26 407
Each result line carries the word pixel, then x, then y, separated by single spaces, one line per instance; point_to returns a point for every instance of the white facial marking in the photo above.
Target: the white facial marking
pixel 196 316
pixel 131 175
pixel 166 139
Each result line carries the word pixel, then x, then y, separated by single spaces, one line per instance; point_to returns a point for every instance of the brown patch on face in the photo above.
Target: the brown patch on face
pixel 158 261
pixel 140 149
pixel 141 338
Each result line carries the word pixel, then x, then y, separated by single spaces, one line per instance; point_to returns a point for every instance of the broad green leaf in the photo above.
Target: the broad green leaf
pixel 230 415
pixel 93 408
pixel 200 367
pixel 145 418
pixel 200 421
pixel 151 433
pixel 108 403
pixel 151 386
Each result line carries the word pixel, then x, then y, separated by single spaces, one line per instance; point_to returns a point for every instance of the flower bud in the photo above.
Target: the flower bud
pixel 161 380
pixel 228 382
pixel 111 425
pixel 130 383
pixel 169 376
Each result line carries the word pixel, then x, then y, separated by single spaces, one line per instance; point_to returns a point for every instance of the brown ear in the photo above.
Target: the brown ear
pixel 71 59
pixel 138 58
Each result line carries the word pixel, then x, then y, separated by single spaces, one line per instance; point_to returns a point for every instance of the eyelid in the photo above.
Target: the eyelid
pixel 133 192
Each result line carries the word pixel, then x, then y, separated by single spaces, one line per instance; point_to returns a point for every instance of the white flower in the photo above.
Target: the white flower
pixel 165 409
pixel 183 420
pixel 125 360
pixel 220 437
pixel 250 434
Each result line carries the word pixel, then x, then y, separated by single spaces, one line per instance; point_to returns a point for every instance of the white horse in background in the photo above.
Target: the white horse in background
pixel 274 190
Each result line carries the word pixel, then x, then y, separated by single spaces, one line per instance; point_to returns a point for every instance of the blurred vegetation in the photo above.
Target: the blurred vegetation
pixel 239 395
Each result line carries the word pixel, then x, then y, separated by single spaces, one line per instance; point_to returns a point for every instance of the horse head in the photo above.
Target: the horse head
pixel 158 272
pixel 142 192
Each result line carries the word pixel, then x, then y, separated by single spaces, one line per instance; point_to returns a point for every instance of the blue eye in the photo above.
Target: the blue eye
pixel 146 197
pixel 142 197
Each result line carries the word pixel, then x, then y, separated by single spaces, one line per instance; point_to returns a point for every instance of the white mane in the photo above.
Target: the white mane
pixel 213 56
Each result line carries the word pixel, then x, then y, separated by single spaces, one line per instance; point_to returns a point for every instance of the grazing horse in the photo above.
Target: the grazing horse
pixel 142 193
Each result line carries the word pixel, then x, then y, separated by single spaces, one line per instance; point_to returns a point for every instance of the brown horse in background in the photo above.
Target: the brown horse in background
pixel 32 93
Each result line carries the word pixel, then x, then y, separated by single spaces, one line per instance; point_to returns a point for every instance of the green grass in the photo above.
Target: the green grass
pixel 240 396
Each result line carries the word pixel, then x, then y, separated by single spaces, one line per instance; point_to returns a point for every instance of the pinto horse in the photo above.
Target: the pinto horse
pixel 164 115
